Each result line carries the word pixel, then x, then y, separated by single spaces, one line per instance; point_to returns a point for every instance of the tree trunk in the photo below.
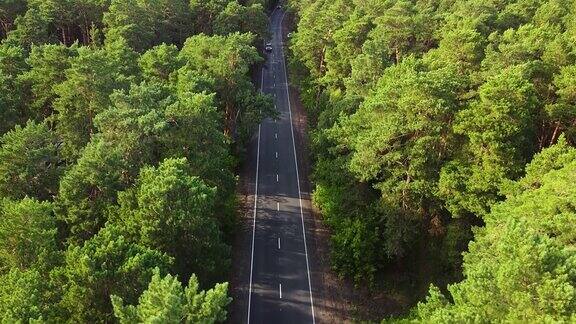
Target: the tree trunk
pixel 321 67
pixel 5 28
pixel 554 134
pixel 229 120
pixel 541 136
pixel 63 35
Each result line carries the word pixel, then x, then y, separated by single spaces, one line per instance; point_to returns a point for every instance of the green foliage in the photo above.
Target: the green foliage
pixel 9 11
pixel 195 123
pixel 107 264
pixel 397 141
pixel 500 128
pixel 145 24
pixel 144 126
pixel 212 55
pixel 397 137
pixel 349 208
pixel 247 19
pixel 205 13
pixel 427 111
pixel 90 80
pixel 88 189
pixel 27 233
pixel 12 109
pixel 552 158
pixel 520 266
pixel 47 65
pixel 166 301
pixel 118 123
pixel 52 21
pixel 29 162
pixel 23 296
pixel 311 40
pixel 227 59
pixel 31 28
pixel 169 209
pixel 395 32
pixel 160 62
pixel 561 113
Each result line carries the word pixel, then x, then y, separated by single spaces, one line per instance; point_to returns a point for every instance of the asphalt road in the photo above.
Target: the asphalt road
pixel 280 288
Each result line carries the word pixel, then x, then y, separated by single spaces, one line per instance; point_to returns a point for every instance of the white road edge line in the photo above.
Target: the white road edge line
pixel 262 82
pixel 255 209
pixel 296 165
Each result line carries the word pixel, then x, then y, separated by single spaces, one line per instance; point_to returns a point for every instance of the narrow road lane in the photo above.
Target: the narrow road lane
pixel 280 288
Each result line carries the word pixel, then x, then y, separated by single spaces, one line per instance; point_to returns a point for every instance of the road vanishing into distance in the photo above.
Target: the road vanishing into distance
pixel 280 288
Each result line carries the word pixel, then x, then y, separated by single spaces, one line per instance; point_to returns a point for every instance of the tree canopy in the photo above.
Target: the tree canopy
pixel 519 268
pixel 424 116
pixel 121 126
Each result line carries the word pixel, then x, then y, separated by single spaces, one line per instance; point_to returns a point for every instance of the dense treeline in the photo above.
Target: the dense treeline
pixel 119 126
pixel 520 266
pixel 425 114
